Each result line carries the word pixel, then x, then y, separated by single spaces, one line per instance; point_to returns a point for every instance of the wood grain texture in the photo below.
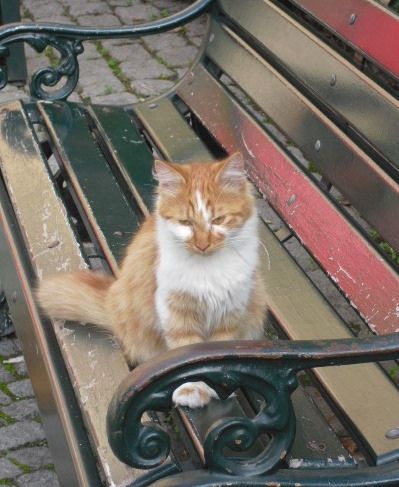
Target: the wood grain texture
pixel 95 364
pixel 363 275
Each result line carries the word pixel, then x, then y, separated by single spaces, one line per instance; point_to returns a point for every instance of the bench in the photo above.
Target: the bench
pixel 311 102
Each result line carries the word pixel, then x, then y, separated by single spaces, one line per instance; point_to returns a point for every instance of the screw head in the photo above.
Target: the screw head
pixel 14 297
pixel 352 19
pixel 317 145
pixel 392 434
pixel 152 105
pixel 333 79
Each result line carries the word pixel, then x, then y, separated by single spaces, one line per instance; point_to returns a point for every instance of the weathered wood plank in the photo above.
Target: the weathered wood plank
pixel 364 33
pixel 294 301
pixel 367 280
pixel 111 218
pixel 170 132
pixel 363 182
pixel 95 364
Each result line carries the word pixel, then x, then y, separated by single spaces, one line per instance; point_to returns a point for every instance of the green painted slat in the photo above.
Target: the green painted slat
pixel 112 218
pixel 131 153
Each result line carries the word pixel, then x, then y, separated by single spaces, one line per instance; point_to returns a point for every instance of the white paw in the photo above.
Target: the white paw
pixel 193 395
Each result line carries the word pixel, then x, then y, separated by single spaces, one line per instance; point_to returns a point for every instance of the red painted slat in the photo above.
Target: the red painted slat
pixel 368 26
pixel 367 280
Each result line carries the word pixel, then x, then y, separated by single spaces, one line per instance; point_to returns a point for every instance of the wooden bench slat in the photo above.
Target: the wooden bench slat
pixel 111 218
pixel 363 103
pixel 341 250
pixel 199 421
pixel 369 188
pixel 374 31
pixel 362 392
pixel 302 314
pixel 95 364
pixel 163 123
pixel 128 148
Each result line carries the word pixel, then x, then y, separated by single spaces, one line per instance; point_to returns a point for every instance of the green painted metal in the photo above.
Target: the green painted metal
pixel 268 368
pixel 133 158
pixel 6 325
pixel 67 40
pixel 16 62
pixel 104 202
pixel 384 476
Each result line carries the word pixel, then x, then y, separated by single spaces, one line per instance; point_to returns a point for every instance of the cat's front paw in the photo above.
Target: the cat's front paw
pixel 193 395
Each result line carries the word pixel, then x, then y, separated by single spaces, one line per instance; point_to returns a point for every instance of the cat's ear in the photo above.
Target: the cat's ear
pixel 167 176
pixel 232 171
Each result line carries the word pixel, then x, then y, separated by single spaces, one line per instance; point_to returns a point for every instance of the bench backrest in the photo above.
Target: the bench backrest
pixel 339 118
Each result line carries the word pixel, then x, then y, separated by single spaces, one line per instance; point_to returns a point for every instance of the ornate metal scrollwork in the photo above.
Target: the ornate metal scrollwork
pixel 268 368
pixel 146 446
pixel 67 40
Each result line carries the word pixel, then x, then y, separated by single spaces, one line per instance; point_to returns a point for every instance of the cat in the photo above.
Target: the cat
pixel 191 273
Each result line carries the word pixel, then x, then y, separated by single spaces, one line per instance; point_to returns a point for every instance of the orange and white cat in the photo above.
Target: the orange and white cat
pixel 191 273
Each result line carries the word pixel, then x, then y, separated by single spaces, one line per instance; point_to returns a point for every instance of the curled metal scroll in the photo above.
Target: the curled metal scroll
pixel 146 446
pixel 269 368
pixel 67 41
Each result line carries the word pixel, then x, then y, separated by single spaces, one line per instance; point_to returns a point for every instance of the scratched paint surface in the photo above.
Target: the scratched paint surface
pixel 365 278
pixel 94 361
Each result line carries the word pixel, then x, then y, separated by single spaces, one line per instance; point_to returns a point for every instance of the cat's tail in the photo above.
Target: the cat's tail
pixel 78 296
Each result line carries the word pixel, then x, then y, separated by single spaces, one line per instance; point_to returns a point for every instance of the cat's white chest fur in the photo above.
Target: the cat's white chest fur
pixel 222 280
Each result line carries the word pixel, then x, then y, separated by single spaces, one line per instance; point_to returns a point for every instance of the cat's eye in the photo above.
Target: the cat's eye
pixel 218 220
pixel 185 222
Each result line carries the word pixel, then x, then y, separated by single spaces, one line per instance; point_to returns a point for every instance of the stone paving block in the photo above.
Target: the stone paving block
pixel 41 478
pixel 115 99
pixel 165 41
pixel 79 9
pixel 40 9
pixel 136 13
pixel 21 369
pixel 171 6
pixel 4 399
pixel 21 388
pixel 8 346
pixel 197 27
pixel 178 56
pixel 151 87
pixel 145 69
pixel 24 409
pixel 19 434
pixel 34 457
pixel 124 3
pixel 8 470
pixel 98 79
pixel 90 52
pixel 105 20
pixel 5 376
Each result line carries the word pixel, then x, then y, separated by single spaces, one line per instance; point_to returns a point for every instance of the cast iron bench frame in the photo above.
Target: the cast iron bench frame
pixel 142 445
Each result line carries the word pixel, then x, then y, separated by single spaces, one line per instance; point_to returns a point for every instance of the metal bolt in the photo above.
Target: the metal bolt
pixel 352 19
pixel 238 442
pixel 317 145
pixel 118 233
pixel 333 79
pixel 392 434
pixel 291 200
pixel 53 244
pixel 14 297
pixel 152 105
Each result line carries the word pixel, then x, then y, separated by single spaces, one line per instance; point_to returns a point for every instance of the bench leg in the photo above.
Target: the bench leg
pixel 6 325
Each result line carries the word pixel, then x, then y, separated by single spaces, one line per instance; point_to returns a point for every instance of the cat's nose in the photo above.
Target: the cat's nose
pixel 202 246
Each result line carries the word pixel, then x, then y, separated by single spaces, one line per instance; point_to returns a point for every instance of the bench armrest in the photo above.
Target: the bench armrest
pixel 267 367
pixel 67 40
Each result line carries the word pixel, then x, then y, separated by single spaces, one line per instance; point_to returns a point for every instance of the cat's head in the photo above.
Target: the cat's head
pixel 204 205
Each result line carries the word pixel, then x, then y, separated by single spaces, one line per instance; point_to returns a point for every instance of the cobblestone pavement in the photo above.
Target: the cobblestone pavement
pixel 115 72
